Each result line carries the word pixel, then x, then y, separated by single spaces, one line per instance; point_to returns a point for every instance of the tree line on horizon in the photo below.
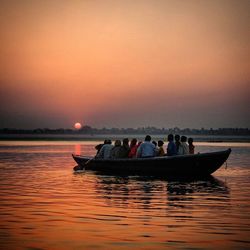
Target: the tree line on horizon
pixel 141 130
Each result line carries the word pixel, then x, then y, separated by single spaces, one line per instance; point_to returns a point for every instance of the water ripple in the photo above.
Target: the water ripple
pixel 43 205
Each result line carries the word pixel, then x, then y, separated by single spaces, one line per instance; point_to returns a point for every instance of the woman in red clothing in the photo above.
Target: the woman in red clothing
pixel 133 148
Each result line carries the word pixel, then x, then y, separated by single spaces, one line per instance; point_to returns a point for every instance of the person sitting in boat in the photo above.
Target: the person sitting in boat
pixel 177 142
pixel 183 148
pixel 171 148
pixel 105 151
pixel 133 148
pixel 147 148
pixel 160 150
pixel 116 149
pixel 191 146
pixel 98 147
pixel 124 149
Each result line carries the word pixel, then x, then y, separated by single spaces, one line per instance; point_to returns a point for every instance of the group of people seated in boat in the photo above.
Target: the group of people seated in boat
pixel 177 145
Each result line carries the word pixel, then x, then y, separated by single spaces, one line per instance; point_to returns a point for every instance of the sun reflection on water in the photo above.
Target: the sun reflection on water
pixel 77 149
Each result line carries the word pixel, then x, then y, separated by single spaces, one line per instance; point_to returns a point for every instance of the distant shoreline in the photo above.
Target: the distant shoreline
pixel 100 137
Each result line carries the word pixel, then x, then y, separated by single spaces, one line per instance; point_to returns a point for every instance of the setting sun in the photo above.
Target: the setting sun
pixel 78 125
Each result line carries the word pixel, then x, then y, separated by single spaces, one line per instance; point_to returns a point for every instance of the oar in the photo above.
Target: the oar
pixel 81 167
pixel 87 162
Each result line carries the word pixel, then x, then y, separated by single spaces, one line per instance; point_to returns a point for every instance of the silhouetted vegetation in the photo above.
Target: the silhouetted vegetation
pixel 87 130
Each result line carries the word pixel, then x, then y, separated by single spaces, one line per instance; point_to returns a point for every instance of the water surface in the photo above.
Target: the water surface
pixel 44 205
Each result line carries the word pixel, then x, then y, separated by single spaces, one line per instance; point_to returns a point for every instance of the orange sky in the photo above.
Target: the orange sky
pixel 125 63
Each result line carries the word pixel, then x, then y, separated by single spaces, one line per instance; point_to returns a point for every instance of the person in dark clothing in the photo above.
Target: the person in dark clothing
pixel 116 149
pixel 98 147
pixel 177 142
pixel 124 149
pixel 171 148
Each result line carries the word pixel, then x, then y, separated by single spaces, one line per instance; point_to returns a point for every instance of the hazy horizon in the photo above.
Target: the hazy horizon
pixel 130 128
pixel 125 63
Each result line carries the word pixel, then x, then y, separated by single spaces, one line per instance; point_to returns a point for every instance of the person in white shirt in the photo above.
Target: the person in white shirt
pixel 147 148
pixel 183 147
pixel 105 151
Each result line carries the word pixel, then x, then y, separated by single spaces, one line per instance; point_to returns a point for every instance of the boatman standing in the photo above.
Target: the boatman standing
pixel 146 149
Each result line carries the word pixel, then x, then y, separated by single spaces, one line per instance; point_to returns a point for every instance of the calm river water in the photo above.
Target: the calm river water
pixel 44 205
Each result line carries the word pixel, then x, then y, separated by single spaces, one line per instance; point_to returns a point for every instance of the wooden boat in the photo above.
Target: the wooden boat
pixel 202 164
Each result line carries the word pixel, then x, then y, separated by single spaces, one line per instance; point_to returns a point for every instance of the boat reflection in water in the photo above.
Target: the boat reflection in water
pixel 164 213
pixel 161 193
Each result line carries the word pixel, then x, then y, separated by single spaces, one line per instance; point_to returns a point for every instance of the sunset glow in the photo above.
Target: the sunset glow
pixel 125 63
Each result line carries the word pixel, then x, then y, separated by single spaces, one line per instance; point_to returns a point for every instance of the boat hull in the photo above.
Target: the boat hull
pixel 181 165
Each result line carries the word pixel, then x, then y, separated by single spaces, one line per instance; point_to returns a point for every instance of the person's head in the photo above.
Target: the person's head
pixel 148 138
pixel 177 137
pixel 160 143
pixel 107 141
pixel 183 138
pixel 118 143
pixel 154 142
pixel 125 141
pixel 190 140
pixel 133 142
pixel 170 137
